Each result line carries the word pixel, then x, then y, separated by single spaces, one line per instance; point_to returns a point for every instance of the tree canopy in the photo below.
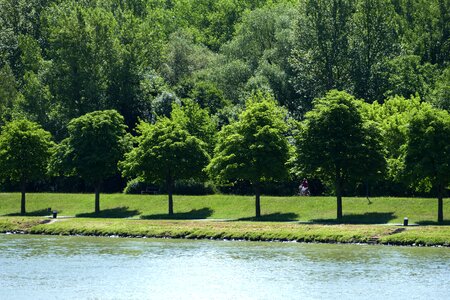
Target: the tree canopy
pixel 335 144
pixel 427 160
pixel 25 149
pixel 165 152
pixel 255 147
pixel 96 143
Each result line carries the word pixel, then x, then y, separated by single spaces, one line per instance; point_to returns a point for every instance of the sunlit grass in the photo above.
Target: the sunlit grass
pixel 306 209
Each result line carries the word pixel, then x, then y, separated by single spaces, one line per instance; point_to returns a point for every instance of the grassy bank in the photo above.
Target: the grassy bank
pixel 255 231
pixel 307 209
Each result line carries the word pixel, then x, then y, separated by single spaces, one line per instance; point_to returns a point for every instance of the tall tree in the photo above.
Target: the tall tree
pixel 374 39
pixel 254 148
pixel 336 145
pixel 427 160
pixel 8 93
pixel 25 149
pixel 96 143
pixel 165 153
pixel 84 48
pixel 320 59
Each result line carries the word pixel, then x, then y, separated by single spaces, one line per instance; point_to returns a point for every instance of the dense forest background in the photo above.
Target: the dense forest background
pixel 60 59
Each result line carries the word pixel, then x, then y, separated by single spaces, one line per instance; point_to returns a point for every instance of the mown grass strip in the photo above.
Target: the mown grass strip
pixel 254 231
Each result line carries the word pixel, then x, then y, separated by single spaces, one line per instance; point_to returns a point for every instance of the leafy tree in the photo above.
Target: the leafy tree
pixel 254 148
pixel 425 28
pixel 184 57
pixel 320 59
pixel 196 121
pixel 8 93
pixel 85 49
pixel 96 143
pixel 208 96
pixel 163 104
pixel 407 77
pixel 264 40
pixel 165 152
pixel 25 149
pixel 36 101
pixel 374 38
pixel 19 17
pixel 336 145
pixel 427 160
pixel 441 94
pixel 392 119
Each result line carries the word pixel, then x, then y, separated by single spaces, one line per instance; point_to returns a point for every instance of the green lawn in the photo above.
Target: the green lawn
pixel 308 209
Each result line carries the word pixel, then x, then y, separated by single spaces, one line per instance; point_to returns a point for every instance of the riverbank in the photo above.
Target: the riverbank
pixel 232 230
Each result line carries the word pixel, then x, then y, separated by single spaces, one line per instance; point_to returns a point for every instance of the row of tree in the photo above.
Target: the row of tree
pixel 341 141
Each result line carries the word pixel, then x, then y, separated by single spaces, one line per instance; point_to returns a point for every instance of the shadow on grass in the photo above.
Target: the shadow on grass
pixel 275 217
pixel 367 218
pixel 119 212
pixel 427 222
pixel 36 213
pixel 196 214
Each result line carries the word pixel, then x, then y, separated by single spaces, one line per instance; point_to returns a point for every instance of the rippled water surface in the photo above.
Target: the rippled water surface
pixel 47 267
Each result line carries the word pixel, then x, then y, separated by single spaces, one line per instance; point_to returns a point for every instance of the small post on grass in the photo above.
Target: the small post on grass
pixel 55 214
pixel 405 221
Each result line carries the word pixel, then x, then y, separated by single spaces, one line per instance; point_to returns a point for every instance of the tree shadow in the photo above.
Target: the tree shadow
pixel 366 218
pixel 119 212
pixel 36 213
pixel 275 217
pixel 195 214
pixel 428 222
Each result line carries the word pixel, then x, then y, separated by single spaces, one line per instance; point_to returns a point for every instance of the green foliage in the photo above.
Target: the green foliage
pixel 427 160
pixel 255 147
pixel 441 93
pixel 208 96
pixel 374 39
pixel 336 145
pixel 8 93
pixel 25 149
pixel 332 141
pixel 62 59
pixel 428 148
pixel 406 76
pixel 163 104
pixel 165 151
pixel 320 58
pixel 196 121
pixel 97 141
pixel 393 118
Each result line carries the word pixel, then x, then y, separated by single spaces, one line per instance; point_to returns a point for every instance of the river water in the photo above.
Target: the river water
pixel 55 267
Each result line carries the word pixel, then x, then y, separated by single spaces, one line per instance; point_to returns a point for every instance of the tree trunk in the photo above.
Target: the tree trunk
pixel 440 204
pixel 97 198
pixel 257 199
pixel 170 192
pixel 22 202
pixel 338 187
